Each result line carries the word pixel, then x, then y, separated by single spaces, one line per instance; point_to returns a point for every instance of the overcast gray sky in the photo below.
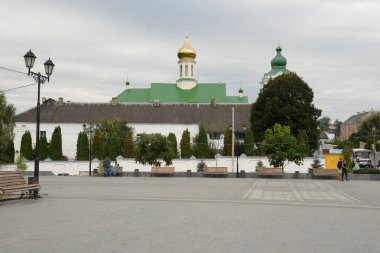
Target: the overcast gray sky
pixel 332 44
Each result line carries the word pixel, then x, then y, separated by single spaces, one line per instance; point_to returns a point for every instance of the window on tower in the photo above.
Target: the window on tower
pixel 180 70
pixel 192 71
pixel 186 70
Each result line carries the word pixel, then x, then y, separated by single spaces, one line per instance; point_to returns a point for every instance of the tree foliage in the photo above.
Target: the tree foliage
pixel 303 142
pixel 173 140
pixel 82 147
pixel 56 145
pixel 7 124
pixel 227 144
pixel 109 138
pixel 129 145
pixel 366 133
pixel 280 145
pixel 151 148
pixel 324 123
pixel 202 147
pixel 248 142
pixel 286 100
pixel 185 145
pixel 26 148
pixel 44 148
pixel 20 163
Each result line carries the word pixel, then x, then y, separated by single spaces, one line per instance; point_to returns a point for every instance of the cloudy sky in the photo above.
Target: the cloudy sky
pixel 332 44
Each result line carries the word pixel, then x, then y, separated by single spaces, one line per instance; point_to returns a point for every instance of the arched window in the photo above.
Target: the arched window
pixel 180 71
pixel 186 70
pixel 192 71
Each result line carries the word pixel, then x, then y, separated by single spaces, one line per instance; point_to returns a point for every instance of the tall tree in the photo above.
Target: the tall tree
pixel 303 142
pixel 98 145
pixel 56 144
pixel 368 132
pixel 43 148
pixel 185 145
pixel 280 145
pixel 151 148
pixel 202 144
pixel 82 147
pixel 324 123
pixel 129 145
pixel 227 147
pixel 286 100
pixel 173 140
pixel 7 124
pixel 115 146
pixel 248 142
pixel 337 125
pixel 26 148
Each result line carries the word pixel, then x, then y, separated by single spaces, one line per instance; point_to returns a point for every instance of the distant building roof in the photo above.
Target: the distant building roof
pixel 355 118
pixel 214 118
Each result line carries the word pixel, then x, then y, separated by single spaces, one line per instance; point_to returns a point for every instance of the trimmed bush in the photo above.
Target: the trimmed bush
pixel 367 171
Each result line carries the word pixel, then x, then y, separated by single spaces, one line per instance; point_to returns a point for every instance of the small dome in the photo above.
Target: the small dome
pixel 241 90
pixel 278 60
pixel 187 53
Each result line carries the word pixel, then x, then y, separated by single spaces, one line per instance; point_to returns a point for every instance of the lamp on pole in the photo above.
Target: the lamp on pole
pixel 374 145
pixel 89 130
pixel 29 58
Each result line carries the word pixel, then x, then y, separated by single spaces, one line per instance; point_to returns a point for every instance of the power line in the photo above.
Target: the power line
pixel 13 70
pixel 23 86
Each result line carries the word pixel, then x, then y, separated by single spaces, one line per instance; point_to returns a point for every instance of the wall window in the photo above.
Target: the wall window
pixel 186 70
pixel 180 71
pixel 192 71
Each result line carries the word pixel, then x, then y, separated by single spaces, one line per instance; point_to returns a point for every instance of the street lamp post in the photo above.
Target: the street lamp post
pixel 374 146
pixel 89 131
pixel 29 58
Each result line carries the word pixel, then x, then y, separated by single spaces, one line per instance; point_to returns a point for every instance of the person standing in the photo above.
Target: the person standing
pixel 344 170
pixel 107 167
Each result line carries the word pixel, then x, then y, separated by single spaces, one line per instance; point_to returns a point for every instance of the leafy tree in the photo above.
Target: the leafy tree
pixel 151 148
pixel 56 144
pixel 20 163
pixel 337 125
pixel 227 147
pixel 324 123
pixel 7 124
pixel 113 130
pixel 303 142
pixel 26 146
pixel 202 146
pixel 98 145
pixel 316 163
pixel 115 146
pixel 173 140
pixel 366 133
pixel 43 148
pixel 280 145
pixel 82 147
pixel 185 145
pixel 286 100
pixel 129 146
pixel 248 143
pixel 347 155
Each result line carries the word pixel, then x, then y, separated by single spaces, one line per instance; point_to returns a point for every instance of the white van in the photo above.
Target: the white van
pixel 361 156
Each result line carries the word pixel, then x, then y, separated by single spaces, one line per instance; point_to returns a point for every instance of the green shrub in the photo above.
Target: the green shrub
pixel 367 171
pixel 201 165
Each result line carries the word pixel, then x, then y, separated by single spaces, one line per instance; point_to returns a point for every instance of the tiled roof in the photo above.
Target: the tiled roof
pixel 213 118
pixel 354 119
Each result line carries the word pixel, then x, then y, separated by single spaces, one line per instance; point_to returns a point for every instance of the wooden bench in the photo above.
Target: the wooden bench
pixel 321 172
pixel 162 171
pixel 270 171
pixel 14 182
pixel 215 171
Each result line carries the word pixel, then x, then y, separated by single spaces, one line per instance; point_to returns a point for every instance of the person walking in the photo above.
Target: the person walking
pixel 344 170
pixel 339 167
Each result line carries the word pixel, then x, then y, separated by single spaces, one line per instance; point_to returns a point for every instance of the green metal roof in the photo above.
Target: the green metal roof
pixel 275 70
pixel 169 93
pixel 134 95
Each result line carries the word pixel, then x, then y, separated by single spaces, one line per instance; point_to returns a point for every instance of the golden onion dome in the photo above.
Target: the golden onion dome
pixel 186 53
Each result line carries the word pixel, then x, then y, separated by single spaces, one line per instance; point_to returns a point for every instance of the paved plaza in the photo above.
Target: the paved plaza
pixel 173 214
